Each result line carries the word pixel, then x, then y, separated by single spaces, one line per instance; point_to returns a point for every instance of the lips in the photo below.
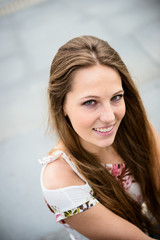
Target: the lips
pixel 104 129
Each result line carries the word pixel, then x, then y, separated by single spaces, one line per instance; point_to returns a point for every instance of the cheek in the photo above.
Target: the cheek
pixel 81 120
pixel 84 121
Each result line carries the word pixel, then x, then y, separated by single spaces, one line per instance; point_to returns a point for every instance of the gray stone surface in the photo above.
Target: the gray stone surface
pixel 57 235
pixel 29 38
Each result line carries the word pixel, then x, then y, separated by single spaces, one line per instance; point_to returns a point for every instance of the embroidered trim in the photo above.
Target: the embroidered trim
pixel 62 215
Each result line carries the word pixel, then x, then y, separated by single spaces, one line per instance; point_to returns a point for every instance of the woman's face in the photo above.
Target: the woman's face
pixel 95 106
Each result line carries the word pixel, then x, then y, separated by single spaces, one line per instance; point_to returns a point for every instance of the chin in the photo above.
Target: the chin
pixel 105 144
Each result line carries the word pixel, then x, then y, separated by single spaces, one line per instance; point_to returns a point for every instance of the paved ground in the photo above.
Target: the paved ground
pixel 30 35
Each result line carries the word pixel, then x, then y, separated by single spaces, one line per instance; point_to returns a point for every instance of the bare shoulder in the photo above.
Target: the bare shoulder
pixel 59 174
pixel 156 137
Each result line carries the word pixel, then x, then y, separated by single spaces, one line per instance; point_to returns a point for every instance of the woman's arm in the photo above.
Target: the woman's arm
pixel 157 140
pixel 156 168
pixel 99 223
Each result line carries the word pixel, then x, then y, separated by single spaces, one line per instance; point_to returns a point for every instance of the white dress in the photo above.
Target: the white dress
pixel 69 201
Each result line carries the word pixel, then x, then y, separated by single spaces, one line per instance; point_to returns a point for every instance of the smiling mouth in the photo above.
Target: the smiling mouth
pixel 104 130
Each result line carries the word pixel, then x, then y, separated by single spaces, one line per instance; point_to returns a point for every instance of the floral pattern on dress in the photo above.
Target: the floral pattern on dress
pixel 62 215
pixel 122 174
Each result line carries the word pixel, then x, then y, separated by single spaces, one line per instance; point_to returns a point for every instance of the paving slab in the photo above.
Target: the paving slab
pixel 150 94
pixel 149 39
pixel 62 234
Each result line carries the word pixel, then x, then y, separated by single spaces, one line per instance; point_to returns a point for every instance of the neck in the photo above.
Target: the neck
pixel 108 155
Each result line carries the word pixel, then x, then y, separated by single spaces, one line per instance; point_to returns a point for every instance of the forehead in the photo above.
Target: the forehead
pixel 95 78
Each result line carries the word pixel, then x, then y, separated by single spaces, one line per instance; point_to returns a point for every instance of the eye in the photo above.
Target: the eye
pixel 117 98
pixel 90 103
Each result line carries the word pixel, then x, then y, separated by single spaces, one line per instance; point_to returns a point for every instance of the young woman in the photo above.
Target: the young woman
pixel 102 179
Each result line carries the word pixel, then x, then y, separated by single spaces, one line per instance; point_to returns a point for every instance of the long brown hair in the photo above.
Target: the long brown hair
pixel 134 141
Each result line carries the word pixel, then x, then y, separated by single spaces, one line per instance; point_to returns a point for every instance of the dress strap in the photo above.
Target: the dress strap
pixel 50 158
pixel 55 155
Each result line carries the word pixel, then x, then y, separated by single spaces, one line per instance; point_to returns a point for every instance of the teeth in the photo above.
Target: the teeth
pixel 104 129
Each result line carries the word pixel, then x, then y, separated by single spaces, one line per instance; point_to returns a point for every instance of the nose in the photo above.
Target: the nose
pixel 107 114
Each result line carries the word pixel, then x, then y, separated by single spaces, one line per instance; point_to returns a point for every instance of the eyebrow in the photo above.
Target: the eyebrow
pixel 93 96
